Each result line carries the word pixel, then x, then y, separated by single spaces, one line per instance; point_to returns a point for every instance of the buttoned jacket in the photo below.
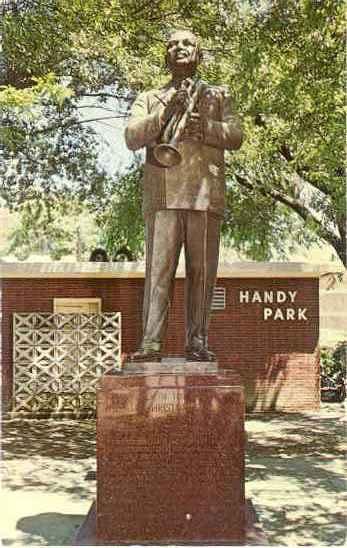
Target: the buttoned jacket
pixel 198 181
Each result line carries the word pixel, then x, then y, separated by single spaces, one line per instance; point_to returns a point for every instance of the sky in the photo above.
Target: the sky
pixel 114 155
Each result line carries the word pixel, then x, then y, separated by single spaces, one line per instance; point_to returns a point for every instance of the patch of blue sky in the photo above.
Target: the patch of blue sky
pixel 108 119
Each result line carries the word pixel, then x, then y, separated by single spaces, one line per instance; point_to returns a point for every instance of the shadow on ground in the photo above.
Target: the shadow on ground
pixel 50 456
pixel 46 529
pixel 294 475
pixel 295 472
pixel 50 438
pixel 54 480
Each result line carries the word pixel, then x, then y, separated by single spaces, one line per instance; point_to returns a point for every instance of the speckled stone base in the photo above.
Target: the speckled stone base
pixel 170 456
pixel 255 536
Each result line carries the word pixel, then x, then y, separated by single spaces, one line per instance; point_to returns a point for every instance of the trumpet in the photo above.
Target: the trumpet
pixel 167 153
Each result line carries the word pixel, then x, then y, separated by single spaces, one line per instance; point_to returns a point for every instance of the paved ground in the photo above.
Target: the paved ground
pixel 294 476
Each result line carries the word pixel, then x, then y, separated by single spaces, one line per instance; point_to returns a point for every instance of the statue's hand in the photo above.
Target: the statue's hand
pixel 178 102
pixel 193 129
pixel 210 104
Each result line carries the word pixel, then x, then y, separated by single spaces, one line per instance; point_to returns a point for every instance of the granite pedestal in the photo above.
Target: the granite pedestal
pixel 170 456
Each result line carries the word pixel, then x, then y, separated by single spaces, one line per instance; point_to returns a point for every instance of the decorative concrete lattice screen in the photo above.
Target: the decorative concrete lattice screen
pixel 58 359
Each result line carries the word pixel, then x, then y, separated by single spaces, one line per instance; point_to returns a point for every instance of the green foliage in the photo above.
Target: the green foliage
pixel 120 219
pixel 44 88
pixel 286 73
pixel 333 360
pixel 259 227
pixel 40 230
pixel 283 61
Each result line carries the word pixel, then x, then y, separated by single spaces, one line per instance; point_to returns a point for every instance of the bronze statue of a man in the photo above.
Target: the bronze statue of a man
pixel 182 204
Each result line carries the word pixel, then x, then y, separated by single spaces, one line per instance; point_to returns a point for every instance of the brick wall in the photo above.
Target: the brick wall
pixel 278 359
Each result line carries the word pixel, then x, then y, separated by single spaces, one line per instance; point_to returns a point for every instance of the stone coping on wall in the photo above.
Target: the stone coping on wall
pixel 246 269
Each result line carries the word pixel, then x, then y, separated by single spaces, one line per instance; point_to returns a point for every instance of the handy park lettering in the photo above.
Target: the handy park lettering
pixel 284 306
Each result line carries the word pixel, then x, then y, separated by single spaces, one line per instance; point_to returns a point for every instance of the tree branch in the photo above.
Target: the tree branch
pixel 74 123
pixel 160 16
pixel 302 172
pixel 95 106
pixel 105 94
pixel 145 6
pixel 297 206
pixel 287 155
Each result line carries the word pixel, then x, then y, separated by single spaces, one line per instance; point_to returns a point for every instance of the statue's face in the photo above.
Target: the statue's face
pixel 182 50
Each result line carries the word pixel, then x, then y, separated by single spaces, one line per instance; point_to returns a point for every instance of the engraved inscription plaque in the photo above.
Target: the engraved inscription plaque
pixel 170 459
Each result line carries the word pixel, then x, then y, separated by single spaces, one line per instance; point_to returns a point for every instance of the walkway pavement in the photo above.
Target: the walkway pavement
pixel 295 478
pixel 295 475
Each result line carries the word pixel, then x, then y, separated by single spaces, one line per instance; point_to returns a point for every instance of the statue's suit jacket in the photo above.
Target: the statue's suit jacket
pixel 198 182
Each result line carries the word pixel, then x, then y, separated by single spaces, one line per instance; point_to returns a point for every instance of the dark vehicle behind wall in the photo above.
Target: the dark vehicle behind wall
pixel 333 389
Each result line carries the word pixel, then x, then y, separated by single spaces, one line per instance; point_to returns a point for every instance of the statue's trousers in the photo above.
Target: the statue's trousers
pixel 166 232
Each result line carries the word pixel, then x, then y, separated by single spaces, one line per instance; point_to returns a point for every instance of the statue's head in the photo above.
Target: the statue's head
pixel 183 52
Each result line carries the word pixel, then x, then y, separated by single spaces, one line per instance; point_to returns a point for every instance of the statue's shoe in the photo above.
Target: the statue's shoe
pixel 145 356
pixel 201 355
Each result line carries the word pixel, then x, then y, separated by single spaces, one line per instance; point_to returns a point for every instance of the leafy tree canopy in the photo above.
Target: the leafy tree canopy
pixel 40 230
pixel 282 59
pixel 118 214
